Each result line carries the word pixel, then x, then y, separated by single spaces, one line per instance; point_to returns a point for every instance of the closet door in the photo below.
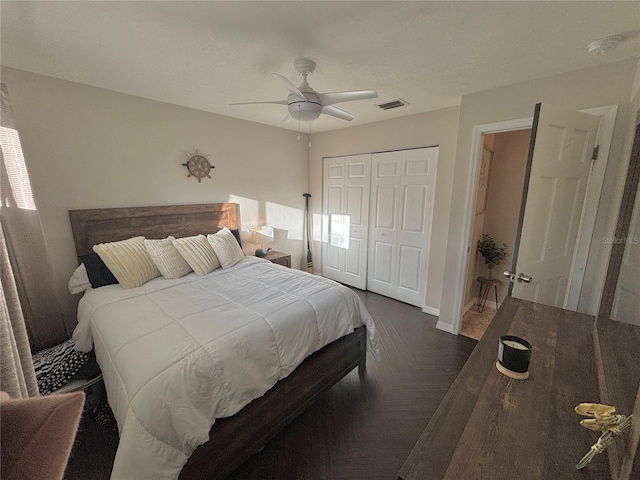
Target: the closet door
pixel 345 220
pixel 402 195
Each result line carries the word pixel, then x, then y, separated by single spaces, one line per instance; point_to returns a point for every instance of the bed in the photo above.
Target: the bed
pixel 266 404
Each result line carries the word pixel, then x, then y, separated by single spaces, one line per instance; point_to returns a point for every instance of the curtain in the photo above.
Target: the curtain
pixel 17 376
pixel 24 240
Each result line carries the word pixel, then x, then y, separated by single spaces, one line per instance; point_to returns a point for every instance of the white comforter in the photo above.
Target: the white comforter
pixel 177 354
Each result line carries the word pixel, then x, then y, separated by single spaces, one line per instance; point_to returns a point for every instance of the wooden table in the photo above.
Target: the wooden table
pixel 493 427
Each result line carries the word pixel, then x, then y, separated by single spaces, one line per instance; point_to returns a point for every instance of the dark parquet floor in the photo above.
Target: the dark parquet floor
pixel 359 429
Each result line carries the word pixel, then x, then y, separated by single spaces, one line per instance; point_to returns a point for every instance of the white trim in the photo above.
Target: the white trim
pixel 446 327
pixel 594 190
pixel 469 212
pixel 473 303
pixel 431 311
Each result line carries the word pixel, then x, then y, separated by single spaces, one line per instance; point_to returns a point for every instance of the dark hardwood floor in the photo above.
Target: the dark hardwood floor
pixel 360 428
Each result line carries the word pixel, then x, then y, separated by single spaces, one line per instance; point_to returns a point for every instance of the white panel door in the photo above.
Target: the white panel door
pixel 346 214
pixel 402 196
pixel 560 164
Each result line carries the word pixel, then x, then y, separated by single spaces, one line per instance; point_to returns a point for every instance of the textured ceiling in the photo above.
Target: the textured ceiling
pixel 205 55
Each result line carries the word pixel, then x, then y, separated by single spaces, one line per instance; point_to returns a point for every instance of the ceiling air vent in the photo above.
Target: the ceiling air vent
pixel 392 104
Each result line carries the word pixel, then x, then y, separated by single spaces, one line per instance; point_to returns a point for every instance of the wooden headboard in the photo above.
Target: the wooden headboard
pixel 99 225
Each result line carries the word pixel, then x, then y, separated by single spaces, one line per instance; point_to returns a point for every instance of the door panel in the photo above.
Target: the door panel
pixel 553 200
pixel 346 217
pixel 402 185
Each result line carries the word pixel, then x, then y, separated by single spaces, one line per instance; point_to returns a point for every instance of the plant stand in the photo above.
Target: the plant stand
pixel 485 288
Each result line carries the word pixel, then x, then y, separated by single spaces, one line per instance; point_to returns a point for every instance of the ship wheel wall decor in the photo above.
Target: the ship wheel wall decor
pixel 198 165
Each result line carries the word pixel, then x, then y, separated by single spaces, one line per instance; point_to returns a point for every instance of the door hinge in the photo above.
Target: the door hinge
pixel 596 149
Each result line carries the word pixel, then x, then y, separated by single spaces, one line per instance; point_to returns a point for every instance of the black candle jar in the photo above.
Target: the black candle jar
pixel 514 354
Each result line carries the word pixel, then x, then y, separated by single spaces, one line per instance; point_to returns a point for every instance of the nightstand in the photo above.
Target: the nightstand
pixel 280 258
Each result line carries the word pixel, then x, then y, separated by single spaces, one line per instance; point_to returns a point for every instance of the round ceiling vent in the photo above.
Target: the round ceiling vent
pixel 604 44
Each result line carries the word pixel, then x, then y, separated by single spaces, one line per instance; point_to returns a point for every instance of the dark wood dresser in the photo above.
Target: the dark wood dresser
pixel 493 427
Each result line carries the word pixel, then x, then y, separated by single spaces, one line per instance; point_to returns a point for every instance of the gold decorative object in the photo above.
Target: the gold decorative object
pixel 198 165
pixel 603 418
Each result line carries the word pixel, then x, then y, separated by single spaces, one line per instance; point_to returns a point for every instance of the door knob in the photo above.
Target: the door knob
pixel 524 278
pixel 521 277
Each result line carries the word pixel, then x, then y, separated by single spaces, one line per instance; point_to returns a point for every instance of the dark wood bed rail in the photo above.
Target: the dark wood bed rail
pixel 233 440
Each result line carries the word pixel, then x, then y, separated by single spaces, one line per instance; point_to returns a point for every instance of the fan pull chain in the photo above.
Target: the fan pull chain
pixel 298 121
pixel 309 134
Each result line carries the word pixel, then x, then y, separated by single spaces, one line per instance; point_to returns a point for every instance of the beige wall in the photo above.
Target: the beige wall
pixel 505 195
pixel 475 259
pixel 593 87
pixel 87 147
pixel 433 128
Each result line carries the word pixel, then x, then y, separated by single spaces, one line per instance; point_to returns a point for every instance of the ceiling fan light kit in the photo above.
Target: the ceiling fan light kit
pixel 305 104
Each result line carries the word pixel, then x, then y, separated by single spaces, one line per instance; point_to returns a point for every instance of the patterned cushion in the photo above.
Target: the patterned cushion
pixel 129 261
pixel 56 365
pixel 226 246
pixel 198 253
pixel 167 258
pixel 98 273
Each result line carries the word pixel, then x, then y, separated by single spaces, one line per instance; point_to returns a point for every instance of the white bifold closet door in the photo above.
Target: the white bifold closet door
pixel 345 206
pixel 401 212
pixel 378 211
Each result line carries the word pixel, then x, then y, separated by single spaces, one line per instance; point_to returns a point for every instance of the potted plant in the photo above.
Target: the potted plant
pixel 492 253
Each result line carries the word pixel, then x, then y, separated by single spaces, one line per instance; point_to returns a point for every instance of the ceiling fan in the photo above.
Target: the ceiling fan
pixel 305 104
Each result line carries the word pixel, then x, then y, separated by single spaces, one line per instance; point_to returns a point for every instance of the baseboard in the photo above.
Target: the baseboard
pixel 493 305
pixel 445 327
pixel 473 302
pixel 431 311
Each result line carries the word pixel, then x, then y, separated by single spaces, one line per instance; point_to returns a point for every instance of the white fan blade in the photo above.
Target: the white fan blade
pixel 336 112
pixel 289 86
pixel 286 119
pixel 338 97
pixel 278 102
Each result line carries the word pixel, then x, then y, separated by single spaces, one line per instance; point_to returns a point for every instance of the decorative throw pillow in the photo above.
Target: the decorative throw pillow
pixel 79 281
pixel 226 246
pixel 129 261
pixel 55 366
pixel 98 273
pixel 198 253
pixel 236 233
pixel 167 258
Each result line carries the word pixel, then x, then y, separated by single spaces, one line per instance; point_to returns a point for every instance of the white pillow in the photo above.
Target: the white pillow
pixel 198 253
pixel 79 281
pixel 129 261
pixel 226 246
pixel 167 257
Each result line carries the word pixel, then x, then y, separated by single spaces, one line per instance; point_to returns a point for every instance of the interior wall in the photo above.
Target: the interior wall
pixel 87 147
pixel 475 259
pixel 438 127
pixel 628 278
pixel 592 87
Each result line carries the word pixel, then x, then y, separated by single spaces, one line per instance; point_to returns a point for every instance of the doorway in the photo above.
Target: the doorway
pixel 499 191
pixel 578 291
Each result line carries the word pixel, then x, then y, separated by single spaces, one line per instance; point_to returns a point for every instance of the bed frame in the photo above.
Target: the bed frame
pixel 234 439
